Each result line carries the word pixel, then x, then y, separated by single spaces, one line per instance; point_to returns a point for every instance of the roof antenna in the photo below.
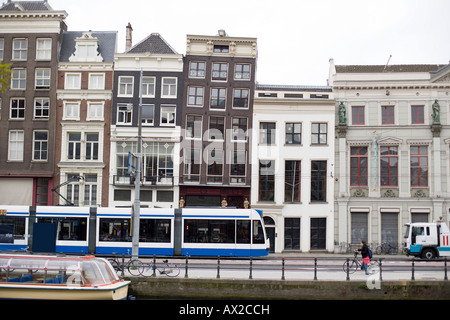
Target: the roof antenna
pixel 387 63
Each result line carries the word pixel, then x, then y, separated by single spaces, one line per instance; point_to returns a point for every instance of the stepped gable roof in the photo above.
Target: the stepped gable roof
pixel 26 6
pixel 154 43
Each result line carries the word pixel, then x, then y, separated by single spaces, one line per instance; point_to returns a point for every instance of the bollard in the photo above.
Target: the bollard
pixel 218 267
pixel 251 267
pixel 282 269
pixel 348 269
pixel 186 269
pixel 315 268
pixel 445 268
pixel 412 275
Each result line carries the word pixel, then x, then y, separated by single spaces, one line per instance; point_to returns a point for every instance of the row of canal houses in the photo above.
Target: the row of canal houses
pixel 328 165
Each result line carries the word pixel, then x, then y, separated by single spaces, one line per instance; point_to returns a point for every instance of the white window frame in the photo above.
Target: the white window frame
pixel 71 83
pixel 165 110
pixel 2 49
pixel 20 144
pixel 75 106
pixel 96 81
pixel 41 108
pixel 169 87
pixel 146 88
pixel 97 114
pixel 43 51
pixel 11 109
pixel 19 80
pixel 43 75
pixel 124 93
pixel 40 142
pixel 23 51
pixel 129 110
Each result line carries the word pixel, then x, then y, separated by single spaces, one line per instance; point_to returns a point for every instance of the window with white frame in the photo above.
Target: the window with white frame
pixel 74 146
pixel 168 115
pixel 197 69
pixel 194 126
pixel 218 98
pixel 237 166
pixel 19 79
pixel 97 81
pixel 192 161
pixel 219 71
pixel 2 48
pixel 126 86
pixel 40 145
pixel 169 88
pixel 71 111
pixel 73 81
pixel 17 110
pixel 73 189
pixel 195 96
pixel 95 111
pixel 148 87
pixel 41 108
pixel 148 114
pixel 215 166
pixel 42 79
pixel 43 49
pixel 241 98
pixel 242 71
pixel 20 49
pixel 16 145
pixel 124 113
pixel 92 144
pixel 90 189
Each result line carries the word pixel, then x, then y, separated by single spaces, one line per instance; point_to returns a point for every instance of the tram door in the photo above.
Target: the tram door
pixel 44 237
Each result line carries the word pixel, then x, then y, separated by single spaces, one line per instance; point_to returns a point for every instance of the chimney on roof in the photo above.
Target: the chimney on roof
pixel 129 37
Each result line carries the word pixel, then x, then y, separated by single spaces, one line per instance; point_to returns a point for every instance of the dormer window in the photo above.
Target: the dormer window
pixel 86 49
pixel 221 49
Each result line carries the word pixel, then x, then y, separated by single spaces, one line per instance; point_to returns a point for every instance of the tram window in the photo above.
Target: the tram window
pixel 69 229
pixel 115 230
pixel 154 230
pixel 16 225
pixel 209 231
pixel 243 231
pixel 258 233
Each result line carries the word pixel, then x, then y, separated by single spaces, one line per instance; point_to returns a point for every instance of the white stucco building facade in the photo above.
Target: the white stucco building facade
pixel 392 149
pixel 292 163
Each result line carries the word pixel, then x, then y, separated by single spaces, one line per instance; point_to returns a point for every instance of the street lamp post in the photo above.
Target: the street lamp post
pixel 137 182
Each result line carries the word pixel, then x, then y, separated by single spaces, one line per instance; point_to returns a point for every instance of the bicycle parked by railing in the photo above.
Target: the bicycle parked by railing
pixel 168 269
pixel 386 248
pixel 356 264
pixel 134 266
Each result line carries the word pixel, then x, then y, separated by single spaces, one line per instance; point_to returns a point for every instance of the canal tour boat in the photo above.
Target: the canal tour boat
pixel 42 277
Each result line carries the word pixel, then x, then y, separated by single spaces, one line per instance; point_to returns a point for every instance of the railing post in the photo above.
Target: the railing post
pixel 154 266
pixel 282 269
pixel 381 268
pixel 122 267
pixel 445 268
pixel 412 274
pixel 251 267
pixel 348 269
pixel 315 268
pixel 186 268
pixel 218 267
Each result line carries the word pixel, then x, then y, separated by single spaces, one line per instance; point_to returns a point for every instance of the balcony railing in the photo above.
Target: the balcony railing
pixel 161 180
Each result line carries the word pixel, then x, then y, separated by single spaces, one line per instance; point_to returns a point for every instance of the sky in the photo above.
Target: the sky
pixel 296 38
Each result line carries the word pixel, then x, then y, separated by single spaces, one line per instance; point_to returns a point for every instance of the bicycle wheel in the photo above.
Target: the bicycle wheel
pixel 172 270
pixel 373 267
pixel 135 267
pixel 115 264
pixel 352 266
pixel 148 270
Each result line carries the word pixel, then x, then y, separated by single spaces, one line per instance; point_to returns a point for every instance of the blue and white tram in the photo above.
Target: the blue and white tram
pixel 189 231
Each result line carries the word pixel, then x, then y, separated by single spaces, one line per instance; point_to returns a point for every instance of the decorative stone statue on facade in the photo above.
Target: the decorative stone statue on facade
pixel 342 114
pixel 436 115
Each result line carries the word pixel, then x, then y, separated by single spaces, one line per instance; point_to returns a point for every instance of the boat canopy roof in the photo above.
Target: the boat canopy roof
pixel 85 270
